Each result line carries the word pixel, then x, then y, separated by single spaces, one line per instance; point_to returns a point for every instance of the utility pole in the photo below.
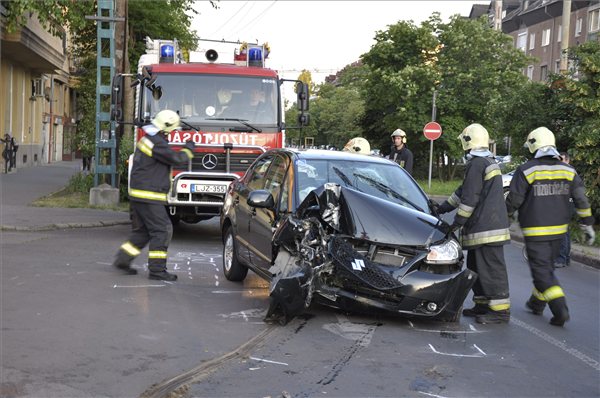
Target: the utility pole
pixel 498 15
pixel 564 42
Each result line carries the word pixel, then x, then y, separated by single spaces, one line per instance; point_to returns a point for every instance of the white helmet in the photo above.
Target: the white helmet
pixel 474 136
pixel 358 145
pixel 539 138
pixel 399 133
pixel 166 121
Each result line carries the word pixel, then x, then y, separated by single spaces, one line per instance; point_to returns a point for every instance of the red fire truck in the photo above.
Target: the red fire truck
pixel 232 111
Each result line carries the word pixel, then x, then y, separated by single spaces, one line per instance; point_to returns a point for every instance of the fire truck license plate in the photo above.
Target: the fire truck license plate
pixel 206 188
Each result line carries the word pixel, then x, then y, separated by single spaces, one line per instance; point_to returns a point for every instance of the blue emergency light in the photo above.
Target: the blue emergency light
pixel 167 53
pixel 255 56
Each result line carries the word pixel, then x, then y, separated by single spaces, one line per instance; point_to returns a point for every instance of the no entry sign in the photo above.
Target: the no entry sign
pixel 432 131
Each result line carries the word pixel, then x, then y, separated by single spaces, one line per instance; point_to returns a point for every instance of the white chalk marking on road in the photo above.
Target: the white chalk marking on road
pixel 479 349
pixel 431 395
pixel 473 330
pixel 254 368
pixel 13 278
pixel 472 327
pixel 227 291
pixel 549 339
pixel 411 324
pixel 244 316
pixel 251 313
pixel 98 262
pixel 266 360
pixel 480 355
pixel 175 267
pixel 116 286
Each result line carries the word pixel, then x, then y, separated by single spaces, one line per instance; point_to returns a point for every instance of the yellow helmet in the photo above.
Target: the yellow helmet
pixel 358 145
pixel 166 121
pixel 539 138
pixel 474 136
pixel 399 133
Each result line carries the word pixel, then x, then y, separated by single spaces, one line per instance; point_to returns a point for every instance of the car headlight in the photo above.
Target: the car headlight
pixel 446 253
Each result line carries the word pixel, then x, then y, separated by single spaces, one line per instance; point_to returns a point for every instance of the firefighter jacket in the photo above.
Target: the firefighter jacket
pixel 404 157
pixel 150 178
pixel 541 190
pixel 480 201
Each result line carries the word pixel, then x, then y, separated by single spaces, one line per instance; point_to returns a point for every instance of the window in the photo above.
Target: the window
pixel 557 66
pixel 543 72
pixel 522 41
pixel 559 34
pixel 594 20
pixel 578 26
pixel 255 177
pixel 530 72
pixel 546 33
pixel 274 180
pixel 531 41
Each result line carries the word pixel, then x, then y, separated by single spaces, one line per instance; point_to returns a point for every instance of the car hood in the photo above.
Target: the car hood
pixel 369 218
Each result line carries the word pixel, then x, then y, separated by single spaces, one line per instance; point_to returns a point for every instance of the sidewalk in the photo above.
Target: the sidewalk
pixel 589 255
pixel 20 188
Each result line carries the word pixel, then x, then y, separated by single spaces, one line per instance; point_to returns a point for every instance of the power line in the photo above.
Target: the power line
pixel 230 18
pixel 262 14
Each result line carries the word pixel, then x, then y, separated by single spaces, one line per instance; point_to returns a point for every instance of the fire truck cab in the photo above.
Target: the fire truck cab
pixel 232 111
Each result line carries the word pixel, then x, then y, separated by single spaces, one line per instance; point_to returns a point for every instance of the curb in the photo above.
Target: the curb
pixel 53 227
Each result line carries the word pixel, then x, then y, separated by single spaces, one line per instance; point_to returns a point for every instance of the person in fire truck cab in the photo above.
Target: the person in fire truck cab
pixel 149 184
pixel 541 190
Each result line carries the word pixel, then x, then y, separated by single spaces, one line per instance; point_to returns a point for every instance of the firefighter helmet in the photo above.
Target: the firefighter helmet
pixel 399 133
pixel 539 138
pixel 474 136
pixel 166 121
pixel 224 96
pixel 358 145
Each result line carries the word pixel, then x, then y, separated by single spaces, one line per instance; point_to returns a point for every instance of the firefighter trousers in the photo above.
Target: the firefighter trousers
pixel 491 287
pixel 541 256
pixel 150 225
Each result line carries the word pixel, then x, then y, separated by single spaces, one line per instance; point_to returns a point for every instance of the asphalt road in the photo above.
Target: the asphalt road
pixel 73 327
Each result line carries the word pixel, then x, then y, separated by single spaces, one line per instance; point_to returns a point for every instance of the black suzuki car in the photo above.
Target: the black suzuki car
pixel 346 230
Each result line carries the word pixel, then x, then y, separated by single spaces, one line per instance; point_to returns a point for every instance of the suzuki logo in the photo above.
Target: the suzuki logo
pixel 358 265
pixel 209 161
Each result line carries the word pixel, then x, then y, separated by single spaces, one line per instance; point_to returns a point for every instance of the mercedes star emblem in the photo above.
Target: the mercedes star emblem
pixel 209 161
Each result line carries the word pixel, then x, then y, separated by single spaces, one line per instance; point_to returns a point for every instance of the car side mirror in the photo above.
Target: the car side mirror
pixel 261 199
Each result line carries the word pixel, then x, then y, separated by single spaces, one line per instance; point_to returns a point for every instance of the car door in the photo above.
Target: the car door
pixel 263 220
pixel 254 179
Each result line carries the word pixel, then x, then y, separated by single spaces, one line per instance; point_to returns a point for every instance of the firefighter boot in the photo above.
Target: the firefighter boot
pixel 560 311
pixel 535 305
pixel 502 316
pixel 124 265
pixel 162 276
pixel 477 309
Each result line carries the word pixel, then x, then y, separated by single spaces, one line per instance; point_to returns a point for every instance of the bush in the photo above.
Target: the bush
pixel 81 183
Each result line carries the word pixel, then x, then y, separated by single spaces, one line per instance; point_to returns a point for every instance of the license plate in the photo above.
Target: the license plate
pixel 208 188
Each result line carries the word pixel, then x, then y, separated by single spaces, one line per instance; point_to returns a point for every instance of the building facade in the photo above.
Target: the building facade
pixel 37 95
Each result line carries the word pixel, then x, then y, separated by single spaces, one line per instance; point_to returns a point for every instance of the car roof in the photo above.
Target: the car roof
pixel 323 154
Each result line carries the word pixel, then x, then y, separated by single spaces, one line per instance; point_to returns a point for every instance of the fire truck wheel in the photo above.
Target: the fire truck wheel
pixel 232 268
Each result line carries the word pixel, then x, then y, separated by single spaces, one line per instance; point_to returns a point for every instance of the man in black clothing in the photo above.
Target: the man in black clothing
pixel 149 185
pixel 541 190
pixel 400 153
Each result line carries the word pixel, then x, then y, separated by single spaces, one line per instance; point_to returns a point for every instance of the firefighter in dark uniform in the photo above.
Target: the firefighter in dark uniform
pixel 482 215
pixel 541 190
pixel 400 153
pixel 149 184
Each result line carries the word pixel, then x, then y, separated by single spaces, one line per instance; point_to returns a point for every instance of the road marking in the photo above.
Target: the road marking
pixel 549 339
pixel 116 286
pixel 227 291
pixel 480 355
pixel 430 394
pixel 266 360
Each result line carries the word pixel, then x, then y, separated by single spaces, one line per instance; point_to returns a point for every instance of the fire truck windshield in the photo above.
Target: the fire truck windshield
pixel 216 99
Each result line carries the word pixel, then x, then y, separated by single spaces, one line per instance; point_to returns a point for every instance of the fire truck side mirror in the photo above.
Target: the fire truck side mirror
pixel 116 99
pixel 302 93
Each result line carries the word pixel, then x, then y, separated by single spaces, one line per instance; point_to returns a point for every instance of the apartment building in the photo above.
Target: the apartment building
pixel 536 28
pixel 37 98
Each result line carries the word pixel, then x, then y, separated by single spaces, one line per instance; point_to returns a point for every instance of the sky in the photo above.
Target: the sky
pixel 320 36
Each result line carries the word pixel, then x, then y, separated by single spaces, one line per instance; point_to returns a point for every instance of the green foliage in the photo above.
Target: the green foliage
pixel 80 182
pixel 54 15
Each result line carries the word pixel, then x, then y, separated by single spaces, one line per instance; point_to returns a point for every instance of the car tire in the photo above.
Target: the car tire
pixel 506 191
pixel 232 268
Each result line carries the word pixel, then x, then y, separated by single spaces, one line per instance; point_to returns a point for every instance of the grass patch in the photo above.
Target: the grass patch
pixel 439 188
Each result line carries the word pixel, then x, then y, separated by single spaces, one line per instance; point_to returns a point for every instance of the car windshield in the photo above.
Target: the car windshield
pixel 385 181
pixel 216 99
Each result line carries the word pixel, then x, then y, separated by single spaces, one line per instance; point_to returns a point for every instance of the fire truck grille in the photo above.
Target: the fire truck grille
pixel 216 162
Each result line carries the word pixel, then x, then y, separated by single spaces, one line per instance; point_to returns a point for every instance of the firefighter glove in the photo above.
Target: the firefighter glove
pixel 589 235
pixel 189 144
pixel 444 208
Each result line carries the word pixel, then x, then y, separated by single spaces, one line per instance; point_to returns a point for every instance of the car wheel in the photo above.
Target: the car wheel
pixel 232 268
pixel 506 191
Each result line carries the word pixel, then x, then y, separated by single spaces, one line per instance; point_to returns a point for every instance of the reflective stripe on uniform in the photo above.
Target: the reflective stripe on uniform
pixel 499 304
pixel 130 249
pixel 157 254
pixel 145 145
pixel 553 292
pixel 482 238
pixel 547 172
pixel 547 230
pixel 141 194
pixel 536 293
pixel 464 210
pixel 492 171
pixel 480 300
pixel 584 212
pixel 454 200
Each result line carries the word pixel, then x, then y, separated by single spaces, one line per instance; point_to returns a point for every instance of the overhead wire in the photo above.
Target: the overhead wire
pixel 262 14
pixel 230 18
